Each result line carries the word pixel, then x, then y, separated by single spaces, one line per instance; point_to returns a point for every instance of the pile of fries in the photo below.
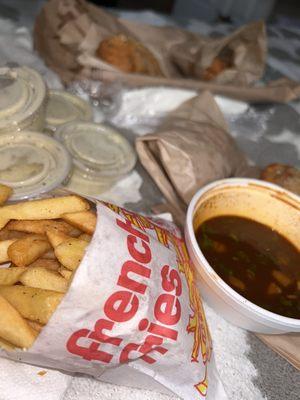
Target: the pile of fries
pixel 42 242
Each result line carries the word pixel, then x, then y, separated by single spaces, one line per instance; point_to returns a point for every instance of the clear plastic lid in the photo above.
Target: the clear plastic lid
pixel 22 95
pixel 98 151
pixel 63 107
pixel 32 163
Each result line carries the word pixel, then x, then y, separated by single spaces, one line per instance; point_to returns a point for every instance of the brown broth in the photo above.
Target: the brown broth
pixel 254 260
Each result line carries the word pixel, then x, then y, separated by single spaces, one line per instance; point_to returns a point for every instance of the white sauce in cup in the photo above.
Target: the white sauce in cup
pixel 101 156
pixel 32 163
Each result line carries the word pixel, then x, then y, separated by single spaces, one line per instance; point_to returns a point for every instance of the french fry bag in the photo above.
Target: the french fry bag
pixel 132 314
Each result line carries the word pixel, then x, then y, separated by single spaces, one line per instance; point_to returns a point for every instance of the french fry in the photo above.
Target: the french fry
pixel 23 252
pixel 5 193
pixel 85 236
pixel 42 209
pixel 84 220
pixel 56 237
pixel 66 273
pixel 71 252
pixel 4 344
pixel 13 327
pixel 29 231
pixel 6 234
pixel 32 303
pixel 10 276
pixel 4 246
pixel 53 265
pixel 43 278
pixel 41 226
pixel 35 325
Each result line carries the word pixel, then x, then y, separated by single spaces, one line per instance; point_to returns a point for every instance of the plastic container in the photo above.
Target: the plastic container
pixel 32 163
pixel 63 107
pixel 101 156
pixel 262 202
pixel 22 99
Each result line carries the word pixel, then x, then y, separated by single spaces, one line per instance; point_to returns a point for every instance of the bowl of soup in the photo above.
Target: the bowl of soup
pixel 243 236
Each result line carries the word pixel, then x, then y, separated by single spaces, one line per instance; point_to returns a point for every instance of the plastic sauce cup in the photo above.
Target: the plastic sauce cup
pixel 63 107
pixel 101 156
pixel 32 163
pixel 22 99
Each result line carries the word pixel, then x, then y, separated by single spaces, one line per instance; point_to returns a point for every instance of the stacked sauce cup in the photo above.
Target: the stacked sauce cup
pixel 47 140
pixel 23 98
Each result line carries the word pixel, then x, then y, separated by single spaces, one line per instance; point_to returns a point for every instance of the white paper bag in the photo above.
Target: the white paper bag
pixel 132 314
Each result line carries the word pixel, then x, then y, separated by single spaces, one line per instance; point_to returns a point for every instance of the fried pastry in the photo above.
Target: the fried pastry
pixel 223 61
pixel 128 55
pixel 283 175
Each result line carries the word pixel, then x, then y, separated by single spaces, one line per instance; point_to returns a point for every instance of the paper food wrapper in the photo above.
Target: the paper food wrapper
pixel 68 32
pixel 191 148
pixel 132 314
pixel 281 90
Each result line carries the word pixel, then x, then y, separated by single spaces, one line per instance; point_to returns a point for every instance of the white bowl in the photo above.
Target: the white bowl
pixel 262 202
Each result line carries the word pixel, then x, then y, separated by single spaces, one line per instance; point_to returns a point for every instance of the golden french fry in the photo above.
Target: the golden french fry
pixel 32 303
pixel 43 278
pixel 10 276
pixel 42 209
pixel 4 246
pixel 5 193
pixel 25 251
pixel 56 237
pixel 66 273
pixel 13 327
pixel 4 344
pixel 41 226
pixel 84 220
pixel 53 265
pixel 35 325
pixel 71 252
pixel 85 236
pixel 6 234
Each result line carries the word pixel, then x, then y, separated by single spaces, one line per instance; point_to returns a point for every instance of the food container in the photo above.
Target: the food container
pixel 22 99
pixel 101 156
pixel 63 107
pixel 32 163
pixel 263 202
pixel 131 315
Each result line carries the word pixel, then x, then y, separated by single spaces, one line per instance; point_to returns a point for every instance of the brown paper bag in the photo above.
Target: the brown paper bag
pixel 68 32
pixel 244 51
pixel 191 148
pixel 82 26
